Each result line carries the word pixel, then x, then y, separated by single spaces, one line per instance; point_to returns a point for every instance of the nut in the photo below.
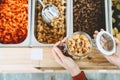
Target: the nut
pixel 79 44
pixel 44 34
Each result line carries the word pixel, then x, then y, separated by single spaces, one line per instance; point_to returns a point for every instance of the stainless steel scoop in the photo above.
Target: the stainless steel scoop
pixel 49 12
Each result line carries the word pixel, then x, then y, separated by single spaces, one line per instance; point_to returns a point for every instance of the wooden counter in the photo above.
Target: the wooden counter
pixel 18 59
pixel 94 61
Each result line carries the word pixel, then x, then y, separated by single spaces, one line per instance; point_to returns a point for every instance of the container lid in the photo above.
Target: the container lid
pixel 105 43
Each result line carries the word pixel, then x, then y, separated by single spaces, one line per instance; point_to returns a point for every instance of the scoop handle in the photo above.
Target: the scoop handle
pixel 41 2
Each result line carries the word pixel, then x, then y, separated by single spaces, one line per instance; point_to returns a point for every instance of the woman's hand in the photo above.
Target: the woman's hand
pixel 64 61
pixel 114 59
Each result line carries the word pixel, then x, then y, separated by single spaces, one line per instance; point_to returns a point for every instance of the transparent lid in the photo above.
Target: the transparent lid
pixel 105 43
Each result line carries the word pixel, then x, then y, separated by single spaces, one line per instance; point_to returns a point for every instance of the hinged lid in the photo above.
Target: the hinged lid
pixel 105 43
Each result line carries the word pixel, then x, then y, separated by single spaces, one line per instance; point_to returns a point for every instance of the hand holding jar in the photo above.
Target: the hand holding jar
pixel 64 61
pixel 115 58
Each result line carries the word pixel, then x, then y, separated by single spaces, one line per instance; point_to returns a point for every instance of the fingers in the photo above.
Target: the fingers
pixel 101 29
pixel 64 40
pixel 96 32
pixel 111 59
pixel 117 41
pixel 57 43
pixel 59 53
pixel 57 58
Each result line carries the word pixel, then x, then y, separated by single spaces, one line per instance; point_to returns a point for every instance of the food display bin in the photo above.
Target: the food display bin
pixel 70 12
pixel 15 25
pixel 38 23
pixel 89 15
pixel 114 17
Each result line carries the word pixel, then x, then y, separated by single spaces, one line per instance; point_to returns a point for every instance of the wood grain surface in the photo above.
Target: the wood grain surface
pixel 94 61
pixel 19 59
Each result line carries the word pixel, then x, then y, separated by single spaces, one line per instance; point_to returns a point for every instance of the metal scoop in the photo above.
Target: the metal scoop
pixel 49 12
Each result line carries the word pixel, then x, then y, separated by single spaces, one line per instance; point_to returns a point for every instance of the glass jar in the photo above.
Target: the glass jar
pixel 79 45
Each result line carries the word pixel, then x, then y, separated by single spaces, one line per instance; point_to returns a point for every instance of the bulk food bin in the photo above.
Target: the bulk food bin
pixel 114 17
pixel 41 33
pixel 15 20
pixel 89 15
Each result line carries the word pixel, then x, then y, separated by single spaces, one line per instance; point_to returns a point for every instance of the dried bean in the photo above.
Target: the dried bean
pixel 89 15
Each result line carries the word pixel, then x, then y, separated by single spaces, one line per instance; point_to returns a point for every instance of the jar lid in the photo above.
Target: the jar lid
pixel 105 43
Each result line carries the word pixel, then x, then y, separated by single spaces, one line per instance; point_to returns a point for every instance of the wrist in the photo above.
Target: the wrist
pixel 75 71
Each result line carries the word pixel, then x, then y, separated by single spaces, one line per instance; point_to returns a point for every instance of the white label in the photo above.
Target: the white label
pixel 36 53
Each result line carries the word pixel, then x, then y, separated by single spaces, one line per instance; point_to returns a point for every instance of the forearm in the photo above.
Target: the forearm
pixel 75 71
